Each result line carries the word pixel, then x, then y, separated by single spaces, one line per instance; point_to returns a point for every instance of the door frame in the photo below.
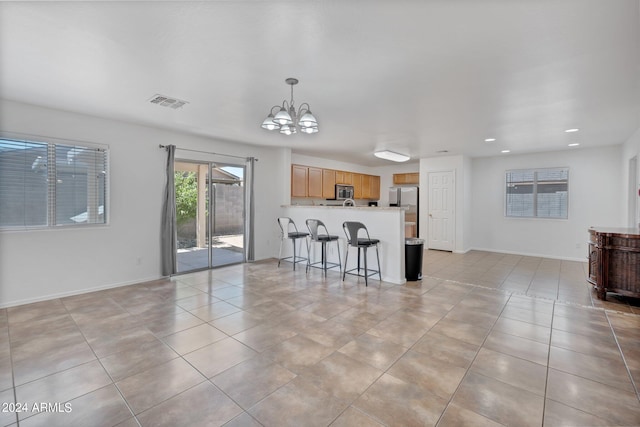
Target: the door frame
pixel 453 215
pixel 634 195
pixel 209 203
pixel 213 165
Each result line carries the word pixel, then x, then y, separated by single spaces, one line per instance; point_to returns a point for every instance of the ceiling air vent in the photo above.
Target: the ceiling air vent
pixel 165 101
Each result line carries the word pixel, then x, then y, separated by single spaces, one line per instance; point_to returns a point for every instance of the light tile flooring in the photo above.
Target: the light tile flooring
pixel 483 340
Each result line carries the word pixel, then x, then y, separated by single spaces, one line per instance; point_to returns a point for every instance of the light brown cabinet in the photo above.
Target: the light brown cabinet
pixel 314 186
pixel 375 187
pixel 343 177
pixel 328 183
pixel 307 181
pixel 299 180
pixel 366 186
pixel 357 186
pixel 406 178
pixel 370 187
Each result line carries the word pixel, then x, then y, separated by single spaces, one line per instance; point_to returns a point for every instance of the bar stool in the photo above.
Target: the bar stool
pixel 285 224
pixel 351 230
pixel 313 225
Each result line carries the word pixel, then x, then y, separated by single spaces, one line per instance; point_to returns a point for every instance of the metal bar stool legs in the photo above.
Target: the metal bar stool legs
pixel 351 230
pixel 314 237
pixel 288 230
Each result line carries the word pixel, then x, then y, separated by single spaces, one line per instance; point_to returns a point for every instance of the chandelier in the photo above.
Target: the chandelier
pixel 287 120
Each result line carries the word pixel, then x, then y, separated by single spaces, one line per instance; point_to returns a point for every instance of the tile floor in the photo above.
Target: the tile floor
pixel 484 340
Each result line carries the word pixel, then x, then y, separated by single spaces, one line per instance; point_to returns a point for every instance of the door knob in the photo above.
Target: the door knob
pixel 430 215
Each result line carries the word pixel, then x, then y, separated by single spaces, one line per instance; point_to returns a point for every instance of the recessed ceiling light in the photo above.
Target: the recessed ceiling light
pixel 505 151
pixel 572 130
pixel 489 140
pixel 574 144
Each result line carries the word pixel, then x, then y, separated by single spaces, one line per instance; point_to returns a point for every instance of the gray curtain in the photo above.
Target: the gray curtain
pixel 168 232
pixel 250 210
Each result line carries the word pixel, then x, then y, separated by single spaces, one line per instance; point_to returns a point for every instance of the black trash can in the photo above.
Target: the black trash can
pixel 413 249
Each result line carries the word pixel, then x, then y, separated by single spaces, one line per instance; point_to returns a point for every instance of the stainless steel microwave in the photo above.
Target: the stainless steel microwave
pixel 344 192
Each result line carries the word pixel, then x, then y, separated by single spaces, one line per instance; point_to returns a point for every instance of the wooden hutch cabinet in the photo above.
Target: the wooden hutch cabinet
pixel 614 261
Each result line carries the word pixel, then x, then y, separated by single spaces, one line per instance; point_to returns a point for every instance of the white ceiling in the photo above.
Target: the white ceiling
pixel 415 76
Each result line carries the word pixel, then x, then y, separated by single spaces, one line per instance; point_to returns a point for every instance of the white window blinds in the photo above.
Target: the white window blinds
pixel 537 193
pixel 49 184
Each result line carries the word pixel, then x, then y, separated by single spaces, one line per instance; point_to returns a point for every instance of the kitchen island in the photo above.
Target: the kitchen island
pixel 384 223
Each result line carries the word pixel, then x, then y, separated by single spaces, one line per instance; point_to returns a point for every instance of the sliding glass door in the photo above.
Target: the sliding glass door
pixel 227 221
pixel 210 211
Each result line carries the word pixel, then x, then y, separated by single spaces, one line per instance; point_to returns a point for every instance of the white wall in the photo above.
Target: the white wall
pixel 319 162
pixel 595 197
pixel 42 264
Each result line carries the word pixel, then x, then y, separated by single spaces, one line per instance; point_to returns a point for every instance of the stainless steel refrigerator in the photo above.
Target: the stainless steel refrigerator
pixel 407 197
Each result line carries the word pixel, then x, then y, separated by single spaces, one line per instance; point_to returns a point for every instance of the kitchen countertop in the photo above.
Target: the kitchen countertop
pixel 379 208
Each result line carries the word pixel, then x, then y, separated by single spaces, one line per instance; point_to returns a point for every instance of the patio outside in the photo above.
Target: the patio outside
pixel 226 250
pixel 196 225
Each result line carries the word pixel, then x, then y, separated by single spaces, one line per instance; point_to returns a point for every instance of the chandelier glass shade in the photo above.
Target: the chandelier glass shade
pixel 287 119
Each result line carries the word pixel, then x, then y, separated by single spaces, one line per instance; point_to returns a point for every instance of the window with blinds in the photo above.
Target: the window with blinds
pixel 51 184
pixel 537 193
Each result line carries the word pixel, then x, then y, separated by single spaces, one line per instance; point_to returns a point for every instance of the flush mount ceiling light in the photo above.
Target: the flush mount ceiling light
pixel 489 140
pixel 505 151
pixel 572 130
pixel 574 144
pixel 287 120
pixel 391 155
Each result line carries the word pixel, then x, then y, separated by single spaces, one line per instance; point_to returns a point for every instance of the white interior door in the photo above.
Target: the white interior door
pixel 441 211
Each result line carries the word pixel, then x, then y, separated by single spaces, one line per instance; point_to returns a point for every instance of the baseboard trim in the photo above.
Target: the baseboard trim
pixel 77 292
pixel 462 252
pixel 530 254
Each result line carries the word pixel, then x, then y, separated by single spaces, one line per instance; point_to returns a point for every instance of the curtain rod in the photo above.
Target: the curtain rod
pixel 210 152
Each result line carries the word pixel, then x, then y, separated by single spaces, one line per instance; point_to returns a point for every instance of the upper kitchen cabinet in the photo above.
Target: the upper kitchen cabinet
pixel 375 187
pixel 318 183
pixel 299 180
pixel 406 178
pixel 314 188
pixel 343 177
pixel 306 181
pixel 357 186
pixel 328 183
pixel 366 186
pixel 371 187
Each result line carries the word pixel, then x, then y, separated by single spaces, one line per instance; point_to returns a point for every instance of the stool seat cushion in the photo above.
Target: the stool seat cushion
pixel 326 238
pixel 368 242
pixel 297 234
